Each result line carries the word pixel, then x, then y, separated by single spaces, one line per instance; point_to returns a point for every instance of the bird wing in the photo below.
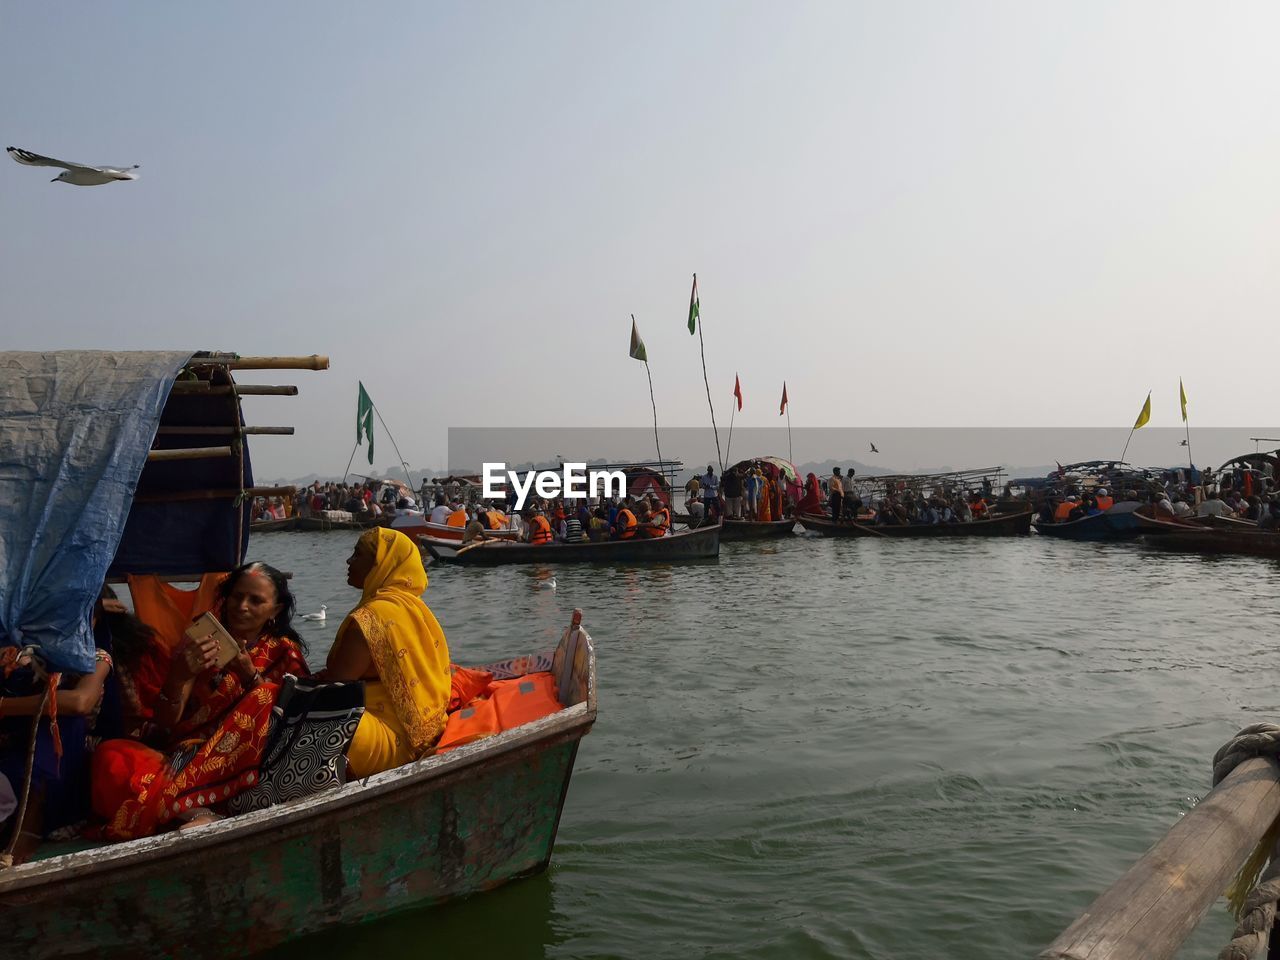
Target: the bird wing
pixel 35 160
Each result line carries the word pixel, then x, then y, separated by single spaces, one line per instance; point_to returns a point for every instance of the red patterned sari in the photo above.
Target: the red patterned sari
pixel 217 749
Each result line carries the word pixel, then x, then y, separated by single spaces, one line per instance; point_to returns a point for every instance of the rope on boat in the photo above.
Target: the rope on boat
pixel 1254 893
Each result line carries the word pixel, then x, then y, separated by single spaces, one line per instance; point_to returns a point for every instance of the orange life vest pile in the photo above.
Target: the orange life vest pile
pixel 481 707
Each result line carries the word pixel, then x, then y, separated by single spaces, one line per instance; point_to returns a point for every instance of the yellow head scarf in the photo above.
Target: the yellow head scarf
pixel 404 638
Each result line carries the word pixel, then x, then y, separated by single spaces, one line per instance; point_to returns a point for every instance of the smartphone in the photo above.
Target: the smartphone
pixel 207 625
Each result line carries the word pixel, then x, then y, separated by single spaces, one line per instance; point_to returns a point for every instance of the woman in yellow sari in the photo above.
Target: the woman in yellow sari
pixel 393 642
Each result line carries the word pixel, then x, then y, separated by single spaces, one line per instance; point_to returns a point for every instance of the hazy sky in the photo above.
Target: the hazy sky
pixel 917 213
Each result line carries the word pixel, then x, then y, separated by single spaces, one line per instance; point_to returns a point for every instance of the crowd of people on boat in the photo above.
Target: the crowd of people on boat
pixel 1247 494
pixel 163 731
pixel 753 490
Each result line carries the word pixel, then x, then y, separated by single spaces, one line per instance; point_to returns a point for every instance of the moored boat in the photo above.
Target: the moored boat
pixel 1118 523
pixel 441 827
pixel 323 524
pixel 1001 525
pixel 700 544
pixel 756 529
pixel 273 526
pixel 434 830
pixel 1254 543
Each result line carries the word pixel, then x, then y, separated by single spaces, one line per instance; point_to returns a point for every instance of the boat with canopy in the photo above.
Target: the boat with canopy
pixel 137 463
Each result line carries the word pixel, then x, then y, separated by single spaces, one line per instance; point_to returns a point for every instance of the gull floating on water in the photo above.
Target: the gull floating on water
pixel 315 616
pixel 548 584
pixel 75 173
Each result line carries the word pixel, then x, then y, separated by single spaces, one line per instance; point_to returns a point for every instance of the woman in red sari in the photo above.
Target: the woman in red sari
pixel 216 720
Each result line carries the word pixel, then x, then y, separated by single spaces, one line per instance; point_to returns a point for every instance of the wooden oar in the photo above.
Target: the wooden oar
pixel 478 543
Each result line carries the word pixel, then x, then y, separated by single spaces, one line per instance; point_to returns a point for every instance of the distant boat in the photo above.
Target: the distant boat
pixel 1001 525
pixel 702 543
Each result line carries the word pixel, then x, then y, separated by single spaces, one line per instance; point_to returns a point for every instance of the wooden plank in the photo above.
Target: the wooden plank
pixel 225 431
pixel 182 388
pixel 188 453
pixel 1152 909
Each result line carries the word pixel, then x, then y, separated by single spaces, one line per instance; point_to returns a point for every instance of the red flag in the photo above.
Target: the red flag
pixel 737 390
pixel 783 408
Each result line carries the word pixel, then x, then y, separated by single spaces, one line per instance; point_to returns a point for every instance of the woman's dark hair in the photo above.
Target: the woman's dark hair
pixel 130 637
pixel 281 625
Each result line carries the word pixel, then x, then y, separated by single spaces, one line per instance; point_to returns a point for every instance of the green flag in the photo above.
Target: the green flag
pixel 637 345
pixel 364 419
pixel 693 307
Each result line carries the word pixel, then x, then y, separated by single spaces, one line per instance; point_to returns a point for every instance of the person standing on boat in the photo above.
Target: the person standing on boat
pixel 732 494
pixel 710 492
pixel 852 502
pixel 393 642
pixel 835 492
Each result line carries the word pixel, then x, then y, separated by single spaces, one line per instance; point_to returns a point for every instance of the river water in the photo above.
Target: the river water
pixel 849 748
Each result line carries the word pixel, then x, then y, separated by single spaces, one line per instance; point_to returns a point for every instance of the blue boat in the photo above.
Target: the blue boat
pixel 1118 523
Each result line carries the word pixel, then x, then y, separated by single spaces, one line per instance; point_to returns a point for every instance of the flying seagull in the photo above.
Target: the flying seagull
pixel 75 173
pixel 873 449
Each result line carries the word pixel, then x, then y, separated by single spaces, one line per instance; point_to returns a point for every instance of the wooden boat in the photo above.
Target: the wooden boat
pixel 1254 543
pixel 1118 523
pixel 756 529
pixel 439 828
pixel 324 524
pixel 699 544
pixel 1001 525
pixel 273 526
pixel 1158 526
pixel 443 827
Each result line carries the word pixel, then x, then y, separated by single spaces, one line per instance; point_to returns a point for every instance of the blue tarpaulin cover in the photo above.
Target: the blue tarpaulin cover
pixel 75 428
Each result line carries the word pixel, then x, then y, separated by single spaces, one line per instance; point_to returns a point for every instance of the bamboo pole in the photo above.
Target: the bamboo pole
pixel 188 453
pixel 243 389
pixel 227 431
pixel 313 362
pixel 233 361
pixel 1153 908
pixel 230 493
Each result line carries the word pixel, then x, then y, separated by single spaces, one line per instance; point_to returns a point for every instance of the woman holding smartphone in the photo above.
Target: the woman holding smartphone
pixel 212 721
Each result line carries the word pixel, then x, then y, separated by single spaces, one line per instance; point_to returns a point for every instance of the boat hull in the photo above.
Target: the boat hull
pixel 321 524
pixel 273 526
pixel 1003 525
pixel 1112 525
pixel 435 830
pixel 700 544
pixel 1255 543
pixel 756 530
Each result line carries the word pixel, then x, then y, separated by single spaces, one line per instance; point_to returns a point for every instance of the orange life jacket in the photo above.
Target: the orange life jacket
pixel 524 699
pixel 1063 510
pixel 658 524
pixel 456 519
pixel 625 524
pixel 540 530
pixel 475 721
pixel 978 508
pixel 1106 503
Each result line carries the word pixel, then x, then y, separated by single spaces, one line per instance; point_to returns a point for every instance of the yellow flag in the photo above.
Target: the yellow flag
pixel 1145 415
pixel 1183 394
